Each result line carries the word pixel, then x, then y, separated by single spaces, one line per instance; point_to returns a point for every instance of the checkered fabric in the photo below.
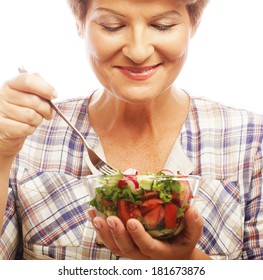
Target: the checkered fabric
pixel 46 215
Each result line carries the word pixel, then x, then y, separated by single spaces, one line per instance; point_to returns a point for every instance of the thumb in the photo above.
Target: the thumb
pixel 193 224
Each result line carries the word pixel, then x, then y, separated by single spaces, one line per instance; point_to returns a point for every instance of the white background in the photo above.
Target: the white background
pixel 225 59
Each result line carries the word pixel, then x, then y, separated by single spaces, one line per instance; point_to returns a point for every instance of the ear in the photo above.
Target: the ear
pixel 79 29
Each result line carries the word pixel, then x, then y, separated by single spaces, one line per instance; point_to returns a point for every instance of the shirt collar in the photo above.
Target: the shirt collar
pixel 178 160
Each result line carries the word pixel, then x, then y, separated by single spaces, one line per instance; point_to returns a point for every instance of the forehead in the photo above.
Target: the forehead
pixel 135 7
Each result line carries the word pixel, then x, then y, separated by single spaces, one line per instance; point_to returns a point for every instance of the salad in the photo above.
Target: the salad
pixel 158 201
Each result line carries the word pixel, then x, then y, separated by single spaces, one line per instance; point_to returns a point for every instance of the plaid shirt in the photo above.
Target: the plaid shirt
pixel 46 215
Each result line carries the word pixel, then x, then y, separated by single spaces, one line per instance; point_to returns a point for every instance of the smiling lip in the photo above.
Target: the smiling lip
pixel 138 73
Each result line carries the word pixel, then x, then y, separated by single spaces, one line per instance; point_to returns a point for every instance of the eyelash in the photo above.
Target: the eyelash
pixel 113 29
pixel 161 28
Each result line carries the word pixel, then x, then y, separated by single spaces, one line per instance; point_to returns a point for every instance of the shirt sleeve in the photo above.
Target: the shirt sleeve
pixel 10 237
pixel 253 224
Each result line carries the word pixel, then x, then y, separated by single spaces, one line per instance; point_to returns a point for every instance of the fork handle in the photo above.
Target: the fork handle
pixel 93 156
pixel 94 159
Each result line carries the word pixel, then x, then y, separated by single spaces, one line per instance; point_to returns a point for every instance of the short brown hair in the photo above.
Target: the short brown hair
pixel 195 9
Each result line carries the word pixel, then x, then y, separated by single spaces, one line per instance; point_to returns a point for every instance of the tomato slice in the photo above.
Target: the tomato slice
pixel 150 194
pixel 106 202
pixel 145 209
pixel 154 217
pixel 170 215
pixel 127 210
pixel 151 201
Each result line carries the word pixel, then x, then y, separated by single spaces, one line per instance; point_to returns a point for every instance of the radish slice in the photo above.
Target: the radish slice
pixel 130 172
pixel 133 183
pixel 130 182
pixel 167 172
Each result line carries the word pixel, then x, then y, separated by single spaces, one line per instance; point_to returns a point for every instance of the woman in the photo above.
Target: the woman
pixel 138 119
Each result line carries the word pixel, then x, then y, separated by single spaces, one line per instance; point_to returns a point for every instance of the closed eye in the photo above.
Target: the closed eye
pixel 163 27
pixel 113 28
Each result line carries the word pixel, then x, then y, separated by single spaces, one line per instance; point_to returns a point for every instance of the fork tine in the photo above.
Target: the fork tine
pixel 108 169
pixel 105 168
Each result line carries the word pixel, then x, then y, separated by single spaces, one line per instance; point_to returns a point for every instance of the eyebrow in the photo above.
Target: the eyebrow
pixel 173 12
pixel 109 10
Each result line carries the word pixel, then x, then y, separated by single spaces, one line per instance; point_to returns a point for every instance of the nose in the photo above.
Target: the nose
pixel 139 46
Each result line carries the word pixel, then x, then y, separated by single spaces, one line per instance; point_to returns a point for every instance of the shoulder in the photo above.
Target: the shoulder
pixel 73 106
pixel 219 113
pixel 215 122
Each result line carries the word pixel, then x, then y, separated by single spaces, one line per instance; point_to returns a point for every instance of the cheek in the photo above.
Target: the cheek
pixel 101 49
pixel 175 47
pixel 98 48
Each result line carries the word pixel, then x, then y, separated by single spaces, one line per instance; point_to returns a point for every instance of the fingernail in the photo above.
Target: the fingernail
pixel 111 223
pixel 96 223
pixel 99 240
pixel 131 225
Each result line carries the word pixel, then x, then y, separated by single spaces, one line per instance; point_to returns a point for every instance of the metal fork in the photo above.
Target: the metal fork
pixel 96 161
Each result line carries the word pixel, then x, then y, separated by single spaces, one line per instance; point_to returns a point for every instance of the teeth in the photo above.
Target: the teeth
pixel 140 72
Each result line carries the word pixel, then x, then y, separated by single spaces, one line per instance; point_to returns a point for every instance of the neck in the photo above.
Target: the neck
pixel 108 113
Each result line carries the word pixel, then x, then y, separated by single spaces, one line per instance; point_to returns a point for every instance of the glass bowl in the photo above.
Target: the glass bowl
pixel 158 201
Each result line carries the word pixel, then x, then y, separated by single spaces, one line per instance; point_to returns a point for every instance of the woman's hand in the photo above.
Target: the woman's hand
pixel 136 243
pixel 23 105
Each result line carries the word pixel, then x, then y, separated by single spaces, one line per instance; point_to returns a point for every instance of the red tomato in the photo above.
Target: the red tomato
pixel 170 215
pixel 127 210
pixel 106 202
pixel 154 217
pixel 145 209
pixel 150 194
pixel 151 201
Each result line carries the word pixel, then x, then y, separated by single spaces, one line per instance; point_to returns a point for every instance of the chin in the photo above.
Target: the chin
pixel 138 95
pixel 138 99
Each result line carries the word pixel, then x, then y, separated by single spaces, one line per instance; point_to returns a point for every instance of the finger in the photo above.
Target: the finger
pixel 21 114
pixel 193 225
pixel 14 130
pixel 99 240
pixel 150 247
pixel 32 83
pixel 104 232
pixel 92 214
pixel 123 239
pixel 27 100
pixel 181 247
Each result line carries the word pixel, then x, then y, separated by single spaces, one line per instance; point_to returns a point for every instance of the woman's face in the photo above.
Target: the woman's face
pixel 136 48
